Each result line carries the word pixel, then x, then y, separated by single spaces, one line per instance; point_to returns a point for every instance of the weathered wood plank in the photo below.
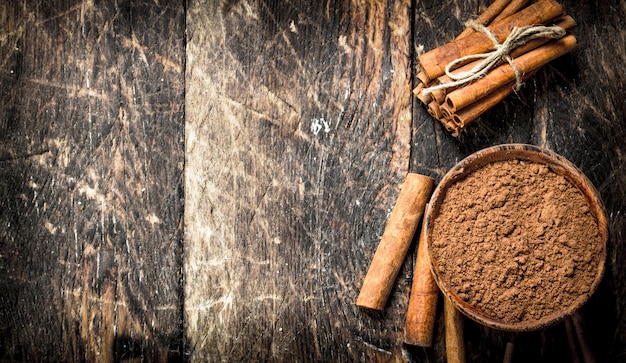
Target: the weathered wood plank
pixel 282 216
pixel 91 158
pixel 300 128
pixel 572 107
pixel 298 131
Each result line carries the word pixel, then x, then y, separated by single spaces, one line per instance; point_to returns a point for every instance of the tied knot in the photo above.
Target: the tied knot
pixel 501 52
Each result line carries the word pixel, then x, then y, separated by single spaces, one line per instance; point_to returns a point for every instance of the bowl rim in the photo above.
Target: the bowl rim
pixel 557 164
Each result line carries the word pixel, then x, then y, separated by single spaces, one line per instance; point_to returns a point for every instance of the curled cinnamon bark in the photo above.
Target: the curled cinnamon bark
pixel 395 241
pixel 492 12
pixel 420 316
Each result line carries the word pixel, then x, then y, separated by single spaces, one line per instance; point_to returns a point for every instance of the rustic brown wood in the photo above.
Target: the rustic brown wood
pixel 573 107
pixel 300 124
pixel 91 158
pixel 298 131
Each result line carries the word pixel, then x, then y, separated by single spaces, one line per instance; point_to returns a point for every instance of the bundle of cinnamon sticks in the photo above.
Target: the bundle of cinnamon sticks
pixel 456 106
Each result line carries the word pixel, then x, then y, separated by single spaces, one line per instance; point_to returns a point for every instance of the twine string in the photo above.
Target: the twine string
pixel 517 37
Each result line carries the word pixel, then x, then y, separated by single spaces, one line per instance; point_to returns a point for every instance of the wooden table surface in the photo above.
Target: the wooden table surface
pixel 208 180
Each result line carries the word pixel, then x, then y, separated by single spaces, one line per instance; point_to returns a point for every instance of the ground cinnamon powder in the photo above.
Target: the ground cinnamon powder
pixel 516 240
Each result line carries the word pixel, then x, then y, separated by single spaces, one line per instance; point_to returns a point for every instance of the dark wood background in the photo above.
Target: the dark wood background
pixel 208 180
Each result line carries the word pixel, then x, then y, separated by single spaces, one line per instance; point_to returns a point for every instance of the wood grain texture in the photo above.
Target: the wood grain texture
pixel 573 107
pixel 299 128
pixel 91 158
pixel 297 139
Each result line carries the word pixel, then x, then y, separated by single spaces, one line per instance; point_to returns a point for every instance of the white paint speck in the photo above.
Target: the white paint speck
pixel 319 124
pixel 51 228
pixel 420 49
pixel 153 219
pixel 316 126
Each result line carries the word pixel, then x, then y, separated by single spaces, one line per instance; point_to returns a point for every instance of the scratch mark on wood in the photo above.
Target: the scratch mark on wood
pixel 25 156
pixel 16 33
pixel 133 43
pixel 273 297
pixel 62 14
pixel 273 104
pixel 225 301
pixel 73 91
pixel 372 346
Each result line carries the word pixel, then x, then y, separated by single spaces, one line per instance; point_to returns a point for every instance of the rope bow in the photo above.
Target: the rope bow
pixel 490 60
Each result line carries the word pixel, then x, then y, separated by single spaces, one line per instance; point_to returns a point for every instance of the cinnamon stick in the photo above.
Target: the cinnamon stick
pixel 487 16
pixel 513 7
pixel 422 309
pixel 508 353
pixel 446 111
pixel 446 120
pixel 504 74
pixel 417 91
pixel 434 109
pixel 422 77
pixel 395 241
pixel 577 321
pixel 470 113
pixel 450 127
pixel 433 62
pixel 439 95
pixel 455 345
pixel 454 122
pixel 571 340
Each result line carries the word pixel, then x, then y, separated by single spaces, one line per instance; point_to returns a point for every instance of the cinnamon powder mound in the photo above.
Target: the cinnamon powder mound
pixel 516 240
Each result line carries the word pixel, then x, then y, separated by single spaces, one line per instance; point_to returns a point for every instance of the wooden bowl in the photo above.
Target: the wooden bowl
pixel 556 164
